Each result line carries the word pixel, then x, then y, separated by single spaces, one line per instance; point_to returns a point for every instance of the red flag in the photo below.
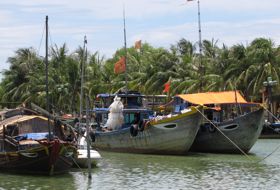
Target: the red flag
pixel 120 66
pixel 137 44
pixel 166 87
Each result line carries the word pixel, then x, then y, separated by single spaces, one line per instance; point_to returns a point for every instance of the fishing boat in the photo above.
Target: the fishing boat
pixel 34 141
pixel 127 126
pixel 31 143
pixel 231 124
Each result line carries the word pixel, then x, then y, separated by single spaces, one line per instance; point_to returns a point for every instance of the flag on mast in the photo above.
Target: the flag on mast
pixel 138 44
pixel 120 66
pixel 167 87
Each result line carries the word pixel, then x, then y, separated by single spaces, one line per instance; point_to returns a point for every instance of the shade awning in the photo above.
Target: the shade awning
pixel 227 97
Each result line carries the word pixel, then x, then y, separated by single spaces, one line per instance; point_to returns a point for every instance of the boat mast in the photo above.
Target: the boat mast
pixel 88 137
pixel 125 54
pixel 47 79
pixel 82 77
pixel 125 50
pixel 201 69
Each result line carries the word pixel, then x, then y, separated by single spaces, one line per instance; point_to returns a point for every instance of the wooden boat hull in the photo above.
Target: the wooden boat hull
pixel 173 135
pixel 43 159
pixel 243 131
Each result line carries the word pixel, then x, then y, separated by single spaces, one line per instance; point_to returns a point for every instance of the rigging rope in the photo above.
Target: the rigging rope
pixel 271 114
pixel 43 32
pixel 50 37
pixel 74 161
pixel 274 131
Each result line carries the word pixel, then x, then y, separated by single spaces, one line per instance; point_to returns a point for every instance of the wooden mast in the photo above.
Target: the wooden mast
pixel 47 79
pixel 82 78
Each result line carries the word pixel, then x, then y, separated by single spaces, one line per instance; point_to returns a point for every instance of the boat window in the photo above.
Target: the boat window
pixel 107 101
pixel 130 118
pixel 145 116
pixel 133 101
pixel 170 126
pixel 177 109
pixel 101 118
pixel 230 127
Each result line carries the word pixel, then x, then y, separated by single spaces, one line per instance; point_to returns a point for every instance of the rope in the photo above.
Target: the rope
pixel 269 154
pixel 81 170
pixel 225 135
pixel 271 114
pixel 50 36
pixel 41 40
pixel 275 131
pixel 76 163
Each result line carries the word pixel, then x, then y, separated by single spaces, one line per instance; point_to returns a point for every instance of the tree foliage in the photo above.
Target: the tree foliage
pixel 240 67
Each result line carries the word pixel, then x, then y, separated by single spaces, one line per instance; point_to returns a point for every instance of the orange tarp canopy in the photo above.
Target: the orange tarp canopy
pixel 227 97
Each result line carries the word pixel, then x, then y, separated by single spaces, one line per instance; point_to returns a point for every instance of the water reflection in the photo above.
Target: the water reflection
pixel 13 181
pixel 194 171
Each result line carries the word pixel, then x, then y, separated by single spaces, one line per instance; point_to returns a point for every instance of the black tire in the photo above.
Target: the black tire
pixel 133 131
pixel 141 125
pixel 92 136
pixel 211 128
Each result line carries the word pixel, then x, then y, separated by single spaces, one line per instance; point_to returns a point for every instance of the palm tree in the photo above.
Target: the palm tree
pixel 225 68
pixel 94 75
pixel 259 63
pixel 16 84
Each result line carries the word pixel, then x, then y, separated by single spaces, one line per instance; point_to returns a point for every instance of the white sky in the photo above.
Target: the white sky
pixel 158 22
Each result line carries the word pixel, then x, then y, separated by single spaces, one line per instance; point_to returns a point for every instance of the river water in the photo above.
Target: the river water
pixel 194 171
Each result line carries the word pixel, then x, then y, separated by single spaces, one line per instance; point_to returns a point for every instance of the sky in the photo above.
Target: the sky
pixel 157 22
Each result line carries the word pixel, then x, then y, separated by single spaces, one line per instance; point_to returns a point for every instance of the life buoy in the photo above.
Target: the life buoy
pixel 211 128
pixel 133 130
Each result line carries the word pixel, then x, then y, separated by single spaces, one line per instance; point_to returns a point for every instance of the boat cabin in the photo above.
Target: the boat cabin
pixel 219 106
pixel 22 128
pixel 130 116
pixel 131 99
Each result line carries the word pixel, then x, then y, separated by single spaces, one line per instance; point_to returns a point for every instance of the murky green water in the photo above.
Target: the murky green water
pixel 195 171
